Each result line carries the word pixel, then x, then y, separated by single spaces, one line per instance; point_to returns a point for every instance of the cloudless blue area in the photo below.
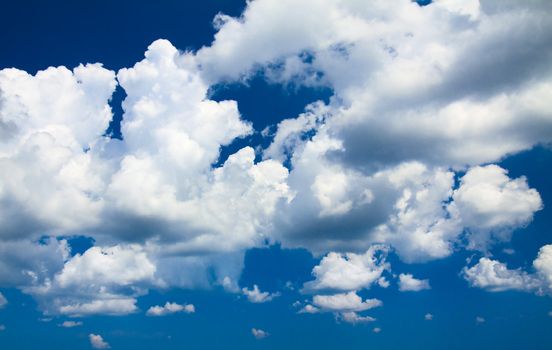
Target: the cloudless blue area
pixel 35 34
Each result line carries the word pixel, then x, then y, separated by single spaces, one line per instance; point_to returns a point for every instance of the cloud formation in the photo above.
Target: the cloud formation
pixel 400 159
pixel 170 308
pixel 98 342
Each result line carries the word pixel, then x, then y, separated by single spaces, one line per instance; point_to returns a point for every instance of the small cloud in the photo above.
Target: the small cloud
pixel 256 296
pixel 259 333
pixel 170 308
pixel 407 283
pixel 45 319
pixel 508 251
pixel 383 283
pixel 2 328
pixel 376 330
pixel 309 309
pixel 229 285
pixel 428 317
pixel 70 324
pixel 98 342
pixel 550 313
pixel 354 318
pixel 479 320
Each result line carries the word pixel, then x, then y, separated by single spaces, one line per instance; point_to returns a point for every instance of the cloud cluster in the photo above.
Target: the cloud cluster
pixel 170 308
pixel 399 160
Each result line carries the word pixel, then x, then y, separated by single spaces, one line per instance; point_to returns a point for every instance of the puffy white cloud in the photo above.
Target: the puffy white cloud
pixel 100 281
pixel 354 318
pixel 170 308
pixel 344 302
pixel 259 333
pixel 70 324
pixel 376 330
pixel 413 105
pixel 98 342
pixel 3 301
pixel 495 276
pixel 407 283
pixel 256 296
pixel 543 265
pixel 490 203
pixel 348 272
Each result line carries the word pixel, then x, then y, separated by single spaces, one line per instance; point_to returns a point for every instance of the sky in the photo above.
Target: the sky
pixel 276 174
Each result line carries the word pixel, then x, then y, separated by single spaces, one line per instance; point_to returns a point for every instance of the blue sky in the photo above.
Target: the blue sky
pixel 275 174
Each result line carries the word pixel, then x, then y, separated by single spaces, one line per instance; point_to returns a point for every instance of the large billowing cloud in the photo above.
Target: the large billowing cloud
pixel 399 160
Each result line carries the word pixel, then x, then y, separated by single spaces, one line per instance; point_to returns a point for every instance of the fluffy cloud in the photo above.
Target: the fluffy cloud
pixel 414 107
pixel 348 271
pixel 354 318
pixel 259 333
pixel 495 276
pixel 256 296
pixel 407 283
pixel 490 203
pixel 170 308
pixel 70 324
pixel 98 342
pixel 344 302
pixel 100 281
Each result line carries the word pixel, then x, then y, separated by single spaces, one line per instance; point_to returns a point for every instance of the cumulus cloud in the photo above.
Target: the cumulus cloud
pixel 344 302
pixel 407 283
pixel 413 108
pixel 99 281
pixel 256 296
pixel 170 308
pixel 495 276
pixel 346 272
pixel 70 324
pixel 354 318
pixel 490 203
pixel 98 342
pixel 259 333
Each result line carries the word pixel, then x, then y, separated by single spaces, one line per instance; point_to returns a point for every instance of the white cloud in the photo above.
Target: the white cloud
pixel 407 283
pixel 495 276
pixel 543 266
pixel 491 203
pixel 428 317
pixel 2 327
pixel 70 324
pixel 479 320
pixel 259 333
pixel 98 342
pixel 344 302
pixel 349 271
pixel 354 318
pixel 376 330
pixel 103 280
pixel 170 308
pixel 256 296
pixel 413 106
